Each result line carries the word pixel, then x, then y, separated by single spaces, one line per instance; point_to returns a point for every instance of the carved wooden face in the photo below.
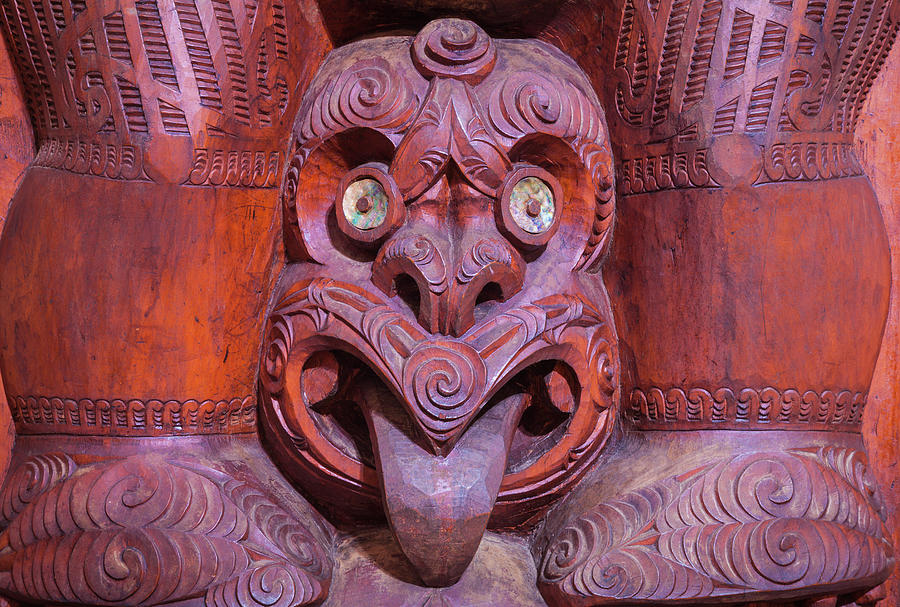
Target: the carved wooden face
pixel 440 337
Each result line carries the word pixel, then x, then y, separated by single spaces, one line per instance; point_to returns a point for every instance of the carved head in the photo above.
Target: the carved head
pixel 440 341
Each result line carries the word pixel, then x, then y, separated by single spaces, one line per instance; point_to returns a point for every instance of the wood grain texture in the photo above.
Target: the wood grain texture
pixel 878 142
pixel 557 302
pixel 16 152
pixel 164 132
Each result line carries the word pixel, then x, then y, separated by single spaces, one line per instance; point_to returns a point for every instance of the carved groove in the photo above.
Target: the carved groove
pixel 739 45
pixel 173 119
pixel 132 106
pixel 772 45
pixel 669 59
pixel 234 59
pixel 116 38
pixel 143 532
pixel 762 521
pixel 703 45
pixel 155 42
pixel 198 51
pixel 760 104
pixel 114 417
pixel 746 409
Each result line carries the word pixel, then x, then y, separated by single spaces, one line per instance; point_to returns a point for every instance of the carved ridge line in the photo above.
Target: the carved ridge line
pixel 103 159
pixel 776 520
pixel 197 532
pixel 132 417
pixel 685 166
pixel 745 408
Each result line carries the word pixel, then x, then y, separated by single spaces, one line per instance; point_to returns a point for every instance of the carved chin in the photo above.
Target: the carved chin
pixel 452 432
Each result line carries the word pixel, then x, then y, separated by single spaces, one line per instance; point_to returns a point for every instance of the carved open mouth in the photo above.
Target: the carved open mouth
pixel 331 383
pixel 446 433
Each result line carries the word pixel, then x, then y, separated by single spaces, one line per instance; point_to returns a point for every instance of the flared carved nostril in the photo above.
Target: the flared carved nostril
pixel 407 290
pixel 489 270
pixel 413 258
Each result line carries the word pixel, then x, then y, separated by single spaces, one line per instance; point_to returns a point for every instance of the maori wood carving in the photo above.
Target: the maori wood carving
pixel 758 522
pixel 329 302
pixel 781 82
pixel 154 531
pixel 491 171
pixel 115 88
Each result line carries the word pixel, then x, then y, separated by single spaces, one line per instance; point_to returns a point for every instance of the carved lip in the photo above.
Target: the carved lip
pixel 442 385
pixel 443 381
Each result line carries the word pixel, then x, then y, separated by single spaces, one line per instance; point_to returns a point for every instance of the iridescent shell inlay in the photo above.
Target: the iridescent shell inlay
pixel 531 205
pixel 365 204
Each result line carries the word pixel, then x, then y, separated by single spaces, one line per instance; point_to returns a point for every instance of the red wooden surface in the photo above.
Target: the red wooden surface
pixel 16 152
pixel 878 140
pixel 184 233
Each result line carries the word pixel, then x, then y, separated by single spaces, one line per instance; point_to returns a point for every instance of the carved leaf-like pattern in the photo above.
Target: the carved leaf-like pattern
pixel 33 477
pixel 371 94
pixel 762 521
pixel 149 532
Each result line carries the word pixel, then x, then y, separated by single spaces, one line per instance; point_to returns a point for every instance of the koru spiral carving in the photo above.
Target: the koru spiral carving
pixel 291 284
pixel 456 185
pixel 762 521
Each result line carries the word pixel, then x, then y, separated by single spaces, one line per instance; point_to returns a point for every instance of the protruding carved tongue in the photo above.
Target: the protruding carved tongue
pixel 439 507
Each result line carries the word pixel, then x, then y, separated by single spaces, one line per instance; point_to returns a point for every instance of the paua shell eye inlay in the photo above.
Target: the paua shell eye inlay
pixel 365 204
pixel 531 205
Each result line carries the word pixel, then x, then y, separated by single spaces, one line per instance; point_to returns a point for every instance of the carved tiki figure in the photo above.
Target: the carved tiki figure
pixel 303 289
pixel 448 202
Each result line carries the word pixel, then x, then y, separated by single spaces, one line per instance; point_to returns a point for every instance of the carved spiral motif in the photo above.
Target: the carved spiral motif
pixel 153 532
pixel 272 585
pixel 531 102
pixel 482 254
pixel 572 548
pixel 275 355
pixel 369 94
pixel 372 93
pixel 527 102
pixel 779 520
pixel 33 477
pixel 454 48
pixel 442 377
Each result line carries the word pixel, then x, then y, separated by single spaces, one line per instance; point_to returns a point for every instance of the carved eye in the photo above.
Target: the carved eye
pixel 529 206
pixel 369 205
pixel 365 204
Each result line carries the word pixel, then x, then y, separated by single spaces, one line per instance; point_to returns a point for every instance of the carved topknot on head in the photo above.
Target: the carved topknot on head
pixel 454 48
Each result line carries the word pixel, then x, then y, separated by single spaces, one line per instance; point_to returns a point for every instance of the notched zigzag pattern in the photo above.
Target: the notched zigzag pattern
pixel 103 77
pixel 722 65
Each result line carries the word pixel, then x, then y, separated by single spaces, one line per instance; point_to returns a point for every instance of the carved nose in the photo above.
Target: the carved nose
pixel 449 286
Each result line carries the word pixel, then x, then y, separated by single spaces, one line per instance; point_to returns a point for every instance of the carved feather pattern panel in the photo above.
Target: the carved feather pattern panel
pixel 777 521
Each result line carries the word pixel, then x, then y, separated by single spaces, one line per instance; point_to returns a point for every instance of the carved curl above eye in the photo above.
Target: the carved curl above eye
pixel 371 93
pixel 530 103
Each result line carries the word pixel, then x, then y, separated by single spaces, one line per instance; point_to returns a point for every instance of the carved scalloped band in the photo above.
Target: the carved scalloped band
pixel 768 408
pixel 118 417
pixel 685 165
pixel 760 522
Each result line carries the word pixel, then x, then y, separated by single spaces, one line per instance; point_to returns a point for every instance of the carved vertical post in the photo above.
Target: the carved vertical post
pixel 750 279
pixel 135 266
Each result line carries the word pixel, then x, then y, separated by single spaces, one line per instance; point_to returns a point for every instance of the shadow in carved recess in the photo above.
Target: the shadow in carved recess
pixel 563 303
